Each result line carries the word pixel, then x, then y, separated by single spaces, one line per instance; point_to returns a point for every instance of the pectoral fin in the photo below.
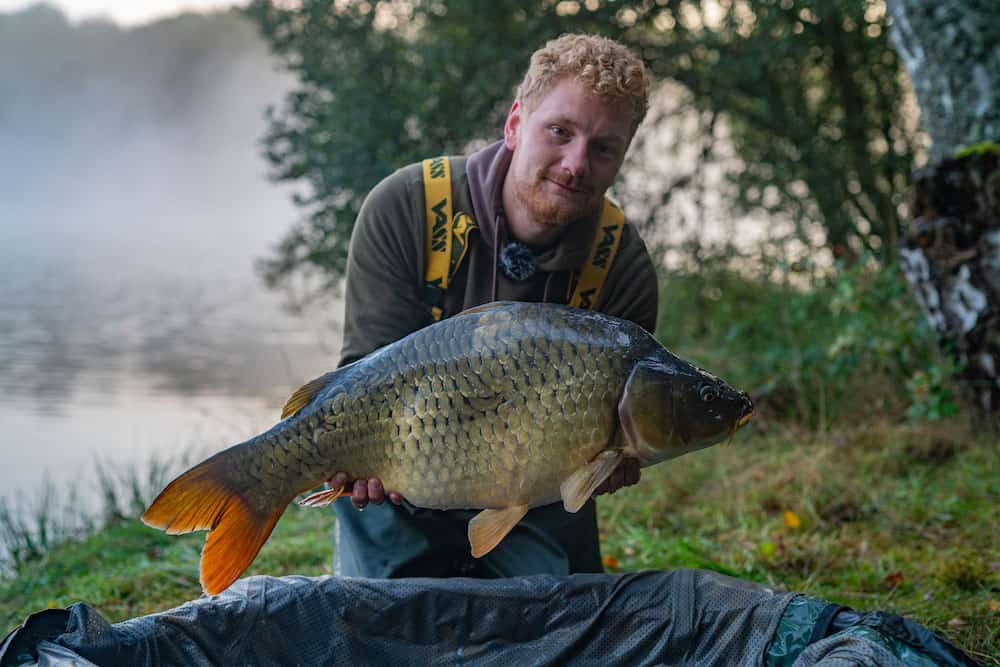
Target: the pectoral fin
pixel 490 526
pixel 323 498
pixel 580 486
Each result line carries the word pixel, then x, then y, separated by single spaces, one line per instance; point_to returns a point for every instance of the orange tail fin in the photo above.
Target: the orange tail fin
pixel 203 499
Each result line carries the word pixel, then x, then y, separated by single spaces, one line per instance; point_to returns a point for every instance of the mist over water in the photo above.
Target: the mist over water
pixel 133 204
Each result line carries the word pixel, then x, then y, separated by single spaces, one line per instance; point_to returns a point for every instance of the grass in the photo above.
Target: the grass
pixel 883 516
pixel 128 569
pixel 877 517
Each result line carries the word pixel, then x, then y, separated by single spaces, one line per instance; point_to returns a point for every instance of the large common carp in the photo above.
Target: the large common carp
pixel 503 407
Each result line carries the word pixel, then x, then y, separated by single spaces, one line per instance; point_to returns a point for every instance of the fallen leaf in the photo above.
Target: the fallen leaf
pixel 611 562
pixel 767 549
pixel 957 622
pixel 894 579
pixel 792 519
pixel 993 605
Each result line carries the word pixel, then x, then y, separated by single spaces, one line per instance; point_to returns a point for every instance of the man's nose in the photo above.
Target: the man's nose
pixel 576 159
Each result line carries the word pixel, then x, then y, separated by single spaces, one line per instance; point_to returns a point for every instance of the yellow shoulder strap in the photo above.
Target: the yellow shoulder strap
pixel 602 255
pixel 437 243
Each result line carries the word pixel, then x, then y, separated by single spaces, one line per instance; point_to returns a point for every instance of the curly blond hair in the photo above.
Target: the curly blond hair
pixel 610 70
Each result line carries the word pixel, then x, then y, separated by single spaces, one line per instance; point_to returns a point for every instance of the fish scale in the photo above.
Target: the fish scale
pixel 500 408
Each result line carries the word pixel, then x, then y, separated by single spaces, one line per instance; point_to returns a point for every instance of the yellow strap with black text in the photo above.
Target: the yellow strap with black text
pixel 602 255
pixel 437 244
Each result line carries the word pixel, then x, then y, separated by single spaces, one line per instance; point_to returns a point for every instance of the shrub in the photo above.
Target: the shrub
pixel 815 347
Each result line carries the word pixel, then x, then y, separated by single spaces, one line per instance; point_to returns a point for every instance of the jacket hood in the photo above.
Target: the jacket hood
pixel 487 171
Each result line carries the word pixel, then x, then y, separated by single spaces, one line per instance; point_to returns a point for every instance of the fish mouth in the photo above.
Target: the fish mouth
pixel 740 424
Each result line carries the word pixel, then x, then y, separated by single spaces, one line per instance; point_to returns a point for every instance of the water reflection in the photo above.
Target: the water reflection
pixel 59 329
pixel 91 367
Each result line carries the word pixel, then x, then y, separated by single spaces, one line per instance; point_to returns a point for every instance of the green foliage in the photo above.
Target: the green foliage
pixel 811 94
pixel 931 394
pixel 982 148
pixel 815 347
pixel 29 529
pixel 807 95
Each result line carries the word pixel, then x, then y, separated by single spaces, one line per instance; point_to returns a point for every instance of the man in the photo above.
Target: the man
pixel 536 198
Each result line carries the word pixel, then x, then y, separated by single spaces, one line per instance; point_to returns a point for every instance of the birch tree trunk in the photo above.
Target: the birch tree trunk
pixel 951 248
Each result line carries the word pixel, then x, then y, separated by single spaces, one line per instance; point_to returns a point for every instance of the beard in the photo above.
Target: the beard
pixel 550 210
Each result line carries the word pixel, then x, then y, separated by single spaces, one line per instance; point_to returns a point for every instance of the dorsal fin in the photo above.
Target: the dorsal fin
pixel 304 395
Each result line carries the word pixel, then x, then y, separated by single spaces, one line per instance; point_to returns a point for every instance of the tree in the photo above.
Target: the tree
pixel 810 93
pixel 951 252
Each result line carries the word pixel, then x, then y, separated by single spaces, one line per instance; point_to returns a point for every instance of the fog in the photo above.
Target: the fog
pixel 96 158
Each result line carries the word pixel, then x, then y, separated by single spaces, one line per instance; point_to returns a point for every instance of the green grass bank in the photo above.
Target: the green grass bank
pixel 899 518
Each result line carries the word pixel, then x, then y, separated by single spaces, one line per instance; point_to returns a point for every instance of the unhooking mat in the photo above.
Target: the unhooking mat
pixel 681 617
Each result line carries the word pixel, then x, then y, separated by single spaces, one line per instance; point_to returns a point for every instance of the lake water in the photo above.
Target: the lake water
pixel 97 363
pixel 132 321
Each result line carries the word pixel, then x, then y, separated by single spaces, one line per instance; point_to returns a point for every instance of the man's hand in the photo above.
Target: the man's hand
pixel 626 474
pixel 364 491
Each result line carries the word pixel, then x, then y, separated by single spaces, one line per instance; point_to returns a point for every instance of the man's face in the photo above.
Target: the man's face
pixel 567 152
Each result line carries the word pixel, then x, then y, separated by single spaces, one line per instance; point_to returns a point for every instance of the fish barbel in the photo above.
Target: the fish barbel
pixel 502 407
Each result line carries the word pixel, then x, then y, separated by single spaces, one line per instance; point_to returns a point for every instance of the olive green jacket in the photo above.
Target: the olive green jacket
pixel 385 267
pixel 385 301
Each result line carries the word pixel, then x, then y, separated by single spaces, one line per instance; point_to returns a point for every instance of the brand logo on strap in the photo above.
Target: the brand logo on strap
pixel 437 168
pixel 439 238
pixel 587 298
pixel 603 253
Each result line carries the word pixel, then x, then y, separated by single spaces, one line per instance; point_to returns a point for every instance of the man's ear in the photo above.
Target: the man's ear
pixel 512 126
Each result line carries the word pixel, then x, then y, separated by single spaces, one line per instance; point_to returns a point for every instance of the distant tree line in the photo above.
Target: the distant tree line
pixel 154 71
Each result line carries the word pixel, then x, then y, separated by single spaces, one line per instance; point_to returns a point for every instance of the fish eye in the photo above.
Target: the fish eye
pixel 708 393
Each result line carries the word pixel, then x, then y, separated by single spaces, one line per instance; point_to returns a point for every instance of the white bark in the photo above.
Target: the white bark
pixel 950 48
